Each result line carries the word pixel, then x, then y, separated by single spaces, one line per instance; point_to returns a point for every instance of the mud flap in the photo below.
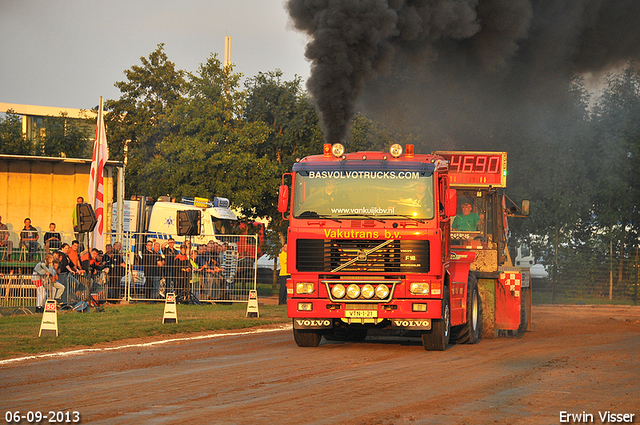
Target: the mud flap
pixel 487 291
pixel 508 300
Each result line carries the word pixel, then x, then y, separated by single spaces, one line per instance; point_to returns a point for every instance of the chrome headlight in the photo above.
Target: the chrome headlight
pixel 338 291
pixel 419 288
pixel 368 291
pixel 382 291
pixel 395 150
pixel 337 150
pixel 353 291
pixel 305 288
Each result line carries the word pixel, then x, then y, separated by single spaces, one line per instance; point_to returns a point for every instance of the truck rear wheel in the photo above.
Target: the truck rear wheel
pixel 437 338
pixel 307 337
pixel 469 333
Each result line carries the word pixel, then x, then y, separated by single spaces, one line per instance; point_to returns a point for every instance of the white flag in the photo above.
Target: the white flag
pixel 96 183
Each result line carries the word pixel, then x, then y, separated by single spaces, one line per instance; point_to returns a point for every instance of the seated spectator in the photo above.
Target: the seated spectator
pixel 4 240
pixel 52 239
pixel 29 239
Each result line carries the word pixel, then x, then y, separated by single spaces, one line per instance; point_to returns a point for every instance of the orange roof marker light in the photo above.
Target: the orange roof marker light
pixel 327 150
pixel 409 151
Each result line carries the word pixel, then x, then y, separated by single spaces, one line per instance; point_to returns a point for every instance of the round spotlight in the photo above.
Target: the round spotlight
pixel 382 291
pixel 395 150
pixel 337 150
pixel 353 291
pixel 368 291
pixel 338 291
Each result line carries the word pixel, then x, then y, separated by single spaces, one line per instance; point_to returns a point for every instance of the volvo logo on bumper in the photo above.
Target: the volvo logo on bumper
pixel 312 324
pixel 421 324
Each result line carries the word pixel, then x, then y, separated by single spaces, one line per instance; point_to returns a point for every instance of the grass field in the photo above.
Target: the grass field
pixel 19 333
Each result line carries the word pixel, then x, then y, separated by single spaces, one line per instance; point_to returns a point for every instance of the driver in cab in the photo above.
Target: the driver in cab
pixel 468 221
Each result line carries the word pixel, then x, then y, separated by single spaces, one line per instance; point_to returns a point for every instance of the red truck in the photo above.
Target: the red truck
pixel 369 247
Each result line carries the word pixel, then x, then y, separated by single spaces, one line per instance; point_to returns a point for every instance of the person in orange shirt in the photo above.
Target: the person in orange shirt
pixel 74 257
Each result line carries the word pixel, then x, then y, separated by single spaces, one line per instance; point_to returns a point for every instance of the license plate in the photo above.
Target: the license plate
pixel 360 314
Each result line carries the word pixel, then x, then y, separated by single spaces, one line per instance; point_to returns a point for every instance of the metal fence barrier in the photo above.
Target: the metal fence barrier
pixel 221 268
pixel 143 267
pixel 17 293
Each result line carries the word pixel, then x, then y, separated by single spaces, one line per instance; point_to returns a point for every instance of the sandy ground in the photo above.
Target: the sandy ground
pixel 578 359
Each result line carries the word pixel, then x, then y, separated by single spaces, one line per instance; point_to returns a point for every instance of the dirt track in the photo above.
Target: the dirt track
pixel 576 359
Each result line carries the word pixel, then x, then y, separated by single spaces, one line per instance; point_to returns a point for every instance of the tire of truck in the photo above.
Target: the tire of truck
pixel 307 337
pixel 437 339
pixel 470 332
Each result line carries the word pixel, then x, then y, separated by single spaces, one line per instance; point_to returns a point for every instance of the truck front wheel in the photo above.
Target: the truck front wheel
pixel 437 338
pixel 469 333
pixel 307 337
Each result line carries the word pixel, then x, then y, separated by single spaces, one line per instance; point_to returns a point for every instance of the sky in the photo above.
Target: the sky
pixel 69 53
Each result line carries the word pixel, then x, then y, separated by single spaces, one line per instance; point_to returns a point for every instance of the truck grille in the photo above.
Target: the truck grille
pixel 399 256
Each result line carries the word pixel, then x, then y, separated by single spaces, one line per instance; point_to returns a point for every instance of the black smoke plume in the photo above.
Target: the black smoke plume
pixel 456 69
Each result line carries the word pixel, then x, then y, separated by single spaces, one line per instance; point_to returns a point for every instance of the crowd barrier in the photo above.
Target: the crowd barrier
pixel 145 267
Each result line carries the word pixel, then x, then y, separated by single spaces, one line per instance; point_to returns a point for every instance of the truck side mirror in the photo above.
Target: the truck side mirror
pixel 525 207
pixel 283 198
pixel 450 202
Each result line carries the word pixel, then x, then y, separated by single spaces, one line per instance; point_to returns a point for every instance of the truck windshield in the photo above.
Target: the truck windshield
pixel 364 194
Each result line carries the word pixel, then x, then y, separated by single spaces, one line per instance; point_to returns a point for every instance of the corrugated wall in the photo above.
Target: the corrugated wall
pixel 46 190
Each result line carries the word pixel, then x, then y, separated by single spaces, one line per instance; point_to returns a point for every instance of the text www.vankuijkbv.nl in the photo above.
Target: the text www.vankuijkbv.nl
pixel 363 210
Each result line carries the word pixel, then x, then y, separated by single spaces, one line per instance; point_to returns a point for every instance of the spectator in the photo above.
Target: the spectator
pixel 169 253
pixel 158 270
pixel 197 273
pixel 117 270
pixel 29 238
pixel 4 240
pixel 67 273
pixel 229 262
pixel 95 265
pixel 214 277
pixel 76 223
pixel 107 256
pixel 52 239
pixel 284 275
pixel 74 258
pixel 183 270
pixel 43 277
pixel 146 260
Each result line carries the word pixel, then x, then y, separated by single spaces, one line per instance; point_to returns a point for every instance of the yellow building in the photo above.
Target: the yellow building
pixel 45 190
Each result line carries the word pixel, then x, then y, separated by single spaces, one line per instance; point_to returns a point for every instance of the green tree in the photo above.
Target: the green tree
pixel 293 131
pixel 210 150
pixel 139 117
pixel 617 200
pixel 369 135
pixel 617 130
pixel 288 112
pixel 64 137
pixel 12 141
